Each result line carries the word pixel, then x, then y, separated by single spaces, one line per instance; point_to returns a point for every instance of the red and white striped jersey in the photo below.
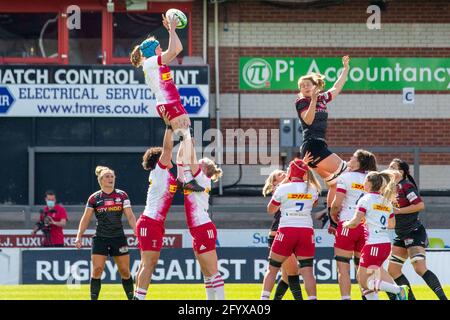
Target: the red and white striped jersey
pixel 351 183
pixel 296 200
pixel 160 193
pixel 377 213
pixel 196 204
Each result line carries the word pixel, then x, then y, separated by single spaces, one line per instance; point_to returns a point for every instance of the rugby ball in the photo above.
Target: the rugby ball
pixel 182 19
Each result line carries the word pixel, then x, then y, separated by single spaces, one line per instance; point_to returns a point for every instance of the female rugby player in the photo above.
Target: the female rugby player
pixel 201 228
pixel 411 237
pixel 349 242
pixel 289 269
pixel 311 106
pixel 108 204
pixel 295 198
pixel 150 226
pixel 376 209
pixel 158 76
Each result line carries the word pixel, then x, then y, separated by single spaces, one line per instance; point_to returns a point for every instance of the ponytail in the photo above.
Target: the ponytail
pixel 404 166
pixel 389 188
pixel 212 170
pixel 312 181
pixel 136 56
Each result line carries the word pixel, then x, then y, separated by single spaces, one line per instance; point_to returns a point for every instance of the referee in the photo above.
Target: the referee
pixel 108 204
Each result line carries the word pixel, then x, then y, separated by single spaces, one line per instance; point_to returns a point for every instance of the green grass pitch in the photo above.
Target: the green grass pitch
pixel 179 292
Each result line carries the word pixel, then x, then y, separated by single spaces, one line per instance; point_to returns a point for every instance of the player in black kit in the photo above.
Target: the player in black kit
pixel 289 269
pixel 311 106
pixel 411 238
pixel 108 204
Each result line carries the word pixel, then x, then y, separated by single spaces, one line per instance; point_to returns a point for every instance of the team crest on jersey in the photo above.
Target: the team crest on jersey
pixel 357 186
pixel 299 196
pixel 380 207
pixel 118 200
pixel 166 76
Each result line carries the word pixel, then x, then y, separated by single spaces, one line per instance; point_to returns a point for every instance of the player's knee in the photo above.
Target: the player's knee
pixel 331 180
pixel 97 272
pixel 306 263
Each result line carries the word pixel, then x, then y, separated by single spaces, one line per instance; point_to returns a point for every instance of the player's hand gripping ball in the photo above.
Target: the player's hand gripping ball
pixel 182 19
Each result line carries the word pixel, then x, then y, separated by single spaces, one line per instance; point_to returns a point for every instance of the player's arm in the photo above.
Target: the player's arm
pixel 61 223
pixel 336 205
pixel 84 223
pixel 275 202
pixel 309 114
pixel 339 84
pixel 166 154
pixel 356 220
pixel 411 208
pixel 175 46
pixel 128 212
pixel 391 222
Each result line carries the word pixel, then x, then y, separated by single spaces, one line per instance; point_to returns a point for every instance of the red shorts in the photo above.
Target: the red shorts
pixel 299 241
pixel 375 254
pixel 173 110
pixel 351 239
pixel 150 233
pixel 204 237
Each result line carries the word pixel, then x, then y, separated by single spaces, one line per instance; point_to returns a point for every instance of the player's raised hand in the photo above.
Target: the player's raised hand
pixel 308 157
pixel 315 93
pixel 345 61
pixel 173 21
pixel 165 22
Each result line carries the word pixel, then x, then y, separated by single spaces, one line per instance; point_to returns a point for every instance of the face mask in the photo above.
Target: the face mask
pixel 50 203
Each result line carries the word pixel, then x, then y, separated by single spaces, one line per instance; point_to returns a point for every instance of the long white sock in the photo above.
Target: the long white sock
pixel 312 298
pixel 383 285
pixel 346 298
pixel 265 295
pixel 210 292
pixel 218 285
pixel 140 293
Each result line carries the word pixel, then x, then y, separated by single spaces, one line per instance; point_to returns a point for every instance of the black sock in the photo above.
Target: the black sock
pixel 294 286
pixel 127 285
pixel 96 285
pixel 433 282
pixel 391 296
pixel 363 297
pixel 402 280
pixel 280 290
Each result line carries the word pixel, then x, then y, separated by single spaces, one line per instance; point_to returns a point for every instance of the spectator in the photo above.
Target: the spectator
pixel 51 222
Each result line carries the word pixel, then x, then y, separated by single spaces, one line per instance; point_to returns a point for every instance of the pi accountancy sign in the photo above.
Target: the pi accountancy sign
pixel 261 73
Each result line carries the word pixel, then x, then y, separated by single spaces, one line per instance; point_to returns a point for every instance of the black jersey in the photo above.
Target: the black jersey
pixel 108 210
pixel 318 127
pixel 407 194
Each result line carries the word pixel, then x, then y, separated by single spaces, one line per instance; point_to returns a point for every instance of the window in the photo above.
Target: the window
pixel 85 44
pixel 129 29
pixel 29 35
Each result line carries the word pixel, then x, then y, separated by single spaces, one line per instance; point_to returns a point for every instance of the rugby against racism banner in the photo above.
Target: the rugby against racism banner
pixel 366 74
pixel 242 258
pixel 94 91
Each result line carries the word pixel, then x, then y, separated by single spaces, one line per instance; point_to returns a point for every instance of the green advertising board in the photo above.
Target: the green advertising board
pixel 261 73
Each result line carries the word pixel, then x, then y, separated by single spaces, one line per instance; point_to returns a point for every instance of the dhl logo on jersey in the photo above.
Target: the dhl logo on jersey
pixel 186 192
pixel 299 196
pixel 166 76
pixel 172 188
pixel 380 207
pixel 357 186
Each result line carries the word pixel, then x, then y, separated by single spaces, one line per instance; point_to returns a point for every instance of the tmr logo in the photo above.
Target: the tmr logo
pixel 192 99
pixel 6 100
pixel 257 73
